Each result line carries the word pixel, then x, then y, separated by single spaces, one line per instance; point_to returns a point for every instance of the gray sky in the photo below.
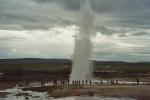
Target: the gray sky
pixel 45 28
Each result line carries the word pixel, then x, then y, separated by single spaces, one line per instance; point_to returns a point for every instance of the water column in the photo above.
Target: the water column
pixel 82 64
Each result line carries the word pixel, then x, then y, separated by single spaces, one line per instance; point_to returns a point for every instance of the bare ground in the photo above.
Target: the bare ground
pixel 140 92
pixel 6 85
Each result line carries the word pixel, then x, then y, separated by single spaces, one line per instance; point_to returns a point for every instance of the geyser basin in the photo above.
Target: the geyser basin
pixel 82 65
pixel 93 98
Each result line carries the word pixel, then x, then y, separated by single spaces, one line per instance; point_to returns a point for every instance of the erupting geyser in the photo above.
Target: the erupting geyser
pixel 82 64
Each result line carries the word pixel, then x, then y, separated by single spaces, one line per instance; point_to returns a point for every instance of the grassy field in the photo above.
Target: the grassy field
pixel 61 69
pixel 130 68
pixel 34 67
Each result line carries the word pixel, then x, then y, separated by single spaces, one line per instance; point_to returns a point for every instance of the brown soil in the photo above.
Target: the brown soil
pixel 140 92
pixel 6 85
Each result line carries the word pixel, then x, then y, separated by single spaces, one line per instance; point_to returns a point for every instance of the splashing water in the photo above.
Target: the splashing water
pixel 82 66
pixel 18 94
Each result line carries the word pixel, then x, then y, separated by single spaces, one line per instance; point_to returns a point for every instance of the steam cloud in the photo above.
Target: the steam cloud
pixel 82 66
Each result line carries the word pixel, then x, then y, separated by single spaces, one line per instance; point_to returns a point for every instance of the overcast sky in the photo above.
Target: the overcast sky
pixel 46 29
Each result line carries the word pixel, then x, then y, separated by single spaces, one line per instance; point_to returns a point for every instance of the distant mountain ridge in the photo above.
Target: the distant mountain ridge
pixel 58 61
pixel 33 61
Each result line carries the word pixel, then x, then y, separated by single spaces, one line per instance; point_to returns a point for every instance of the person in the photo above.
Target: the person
pixel 101 82
pixel 90 82
pixel 138 81
pixel 86 82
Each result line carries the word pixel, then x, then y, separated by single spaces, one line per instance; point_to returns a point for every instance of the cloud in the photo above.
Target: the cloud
pixel 28 15
pixel 10 39
pixel 57 42
pixel 44 28
pixel 38 43
pixel 114 47
pixel 41 14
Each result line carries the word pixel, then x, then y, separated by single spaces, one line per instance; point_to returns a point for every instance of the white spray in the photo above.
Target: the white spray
pixel 82 65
